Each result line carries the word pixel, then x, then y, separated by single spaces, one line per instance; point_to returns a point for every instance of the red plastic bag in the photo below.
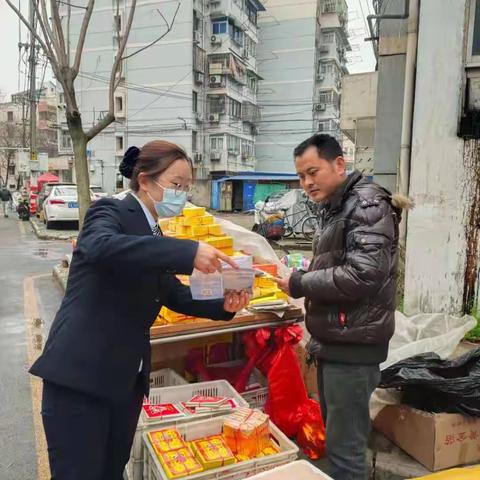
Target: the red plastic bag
pixel 288 404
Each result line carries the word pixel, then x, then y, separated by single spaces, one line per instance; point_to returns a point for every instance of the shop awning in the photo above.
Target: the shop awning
pixel 287 177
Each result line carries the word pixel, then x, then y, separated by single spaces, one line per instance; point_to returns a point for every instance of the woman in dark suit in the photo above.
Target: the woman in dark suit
pixel 96 362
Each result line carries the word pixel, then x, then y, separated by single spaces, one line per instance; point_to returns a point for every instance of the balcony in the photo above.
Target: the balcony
pixel 234 9
pixel 227 64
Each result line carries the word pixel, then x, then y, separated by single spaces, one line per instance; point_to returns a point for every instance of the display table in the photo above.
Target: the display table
pixel 205 328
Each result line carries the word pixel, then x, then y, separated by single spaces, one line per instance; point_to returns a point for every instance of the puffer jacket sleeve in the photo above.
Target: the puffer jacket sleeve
pixel 369 256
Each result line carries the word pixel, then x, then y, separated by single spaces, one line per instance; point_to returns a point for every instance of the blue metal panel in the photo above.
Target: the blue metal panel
pixel 215 196
pixel 248 193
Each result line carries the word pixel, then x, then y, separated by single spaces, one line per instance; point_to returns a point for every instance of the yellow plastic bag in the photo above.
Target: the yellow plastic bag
pixel 454 474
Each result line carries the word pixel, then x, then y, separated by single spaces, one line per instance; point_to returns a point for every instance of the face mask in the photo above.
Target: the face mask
pixel 172 203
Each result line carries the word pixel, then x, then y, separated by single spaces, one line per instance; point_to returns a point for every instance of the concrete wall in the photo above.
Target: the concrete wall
pixel 436 237
pixel 201 193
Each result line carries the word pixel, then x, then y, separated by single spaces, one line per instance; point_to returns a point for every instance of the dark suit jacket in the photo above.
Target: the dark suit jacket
pixel 120 276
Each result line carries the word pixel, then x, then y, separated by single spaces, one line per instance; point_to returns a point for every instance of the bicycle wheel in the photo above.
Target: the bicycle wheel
pixel 309 227
pixel 287 231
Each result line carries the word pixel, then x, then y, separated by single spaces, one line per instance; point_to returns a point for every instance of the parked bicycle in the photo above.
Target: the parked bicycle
pixel 304 221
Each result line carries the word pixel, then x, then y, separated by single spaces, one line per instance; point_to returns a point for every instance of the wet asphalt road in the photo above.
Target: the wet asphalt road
pixel 22 255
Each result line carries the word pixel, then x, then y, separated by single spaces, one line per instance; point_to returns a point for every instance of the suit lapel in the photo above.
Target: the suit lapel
pixel 135 219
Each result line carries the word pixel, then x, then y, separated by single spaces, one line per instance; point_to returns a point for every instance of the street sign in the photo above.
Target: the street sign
pixel 23 164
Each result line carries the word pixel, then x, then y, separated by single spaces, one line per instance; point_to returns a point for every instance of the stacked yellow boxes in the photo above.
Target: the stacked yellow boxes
pixel 196 224
pixel 265 289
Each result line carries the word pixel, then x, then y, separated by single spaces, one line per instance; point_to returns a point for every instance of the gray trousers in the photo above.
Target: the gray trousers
pixel 345 392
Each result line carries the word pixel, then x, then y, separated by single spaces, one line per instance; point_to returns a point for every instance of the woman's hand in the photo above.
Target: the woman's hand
pixel 236 301
pixel 208 258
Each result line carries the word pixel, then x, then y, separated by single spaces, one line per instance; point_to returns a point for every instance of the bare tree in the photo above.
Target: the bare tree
pixel 56 46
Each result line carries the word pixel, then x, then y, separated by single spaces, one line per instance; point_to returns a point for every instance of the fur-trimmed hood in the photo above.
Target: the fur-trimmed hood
pixel 402 202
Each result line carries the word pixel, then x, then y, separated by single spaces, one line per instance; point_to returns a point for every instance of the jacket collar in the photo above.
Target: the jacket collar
pixel 337 199
pixel 138 220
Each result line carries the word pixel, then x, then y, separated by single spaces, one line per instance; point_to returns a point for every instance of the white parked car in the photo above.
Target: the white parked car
pixel 62 205
pixel 98 191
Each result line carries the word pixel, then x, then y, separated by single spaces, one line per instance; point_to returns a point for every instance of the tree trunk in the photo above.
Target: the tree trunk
pixel 79 142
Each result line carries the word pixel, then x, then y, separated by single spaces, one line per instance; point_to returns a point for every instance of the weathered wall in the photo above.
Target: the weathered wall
pixel 435 257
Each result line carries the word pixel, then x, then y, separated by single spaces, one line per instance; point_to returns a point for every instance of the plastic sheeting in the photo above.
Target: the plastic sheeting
pixel 439 333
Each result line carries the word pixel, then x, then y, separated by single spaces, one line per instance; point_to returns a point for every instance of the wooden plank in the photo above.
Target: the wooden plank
pixel 239 320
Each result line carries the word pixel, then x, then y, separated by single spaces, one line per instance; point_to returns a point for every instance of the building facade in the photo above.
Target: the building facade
pixel 302 61
pixel 197 86
pixel 443 165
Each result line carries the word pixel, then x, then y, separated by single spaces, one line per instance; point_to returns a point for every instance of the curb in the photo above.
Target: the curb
pixel 60 274
pixel 42 235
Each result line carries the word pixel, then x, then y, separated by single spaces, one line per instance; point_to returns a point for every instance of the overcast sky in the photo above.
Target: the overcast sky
pixel 361 58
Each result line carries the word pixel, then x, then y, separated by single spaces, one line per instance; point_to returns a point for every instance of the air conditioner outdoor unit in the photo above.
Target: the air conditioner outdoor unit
pixel 215 156
pixel 198 157
pixel 92 167
pixel 320 107
pixel 320 77
pixel 197 37
pixel 199 116
pixel 214 117
pixel 324 49
pixel 214 40
pixel 199 77
pixel 215 80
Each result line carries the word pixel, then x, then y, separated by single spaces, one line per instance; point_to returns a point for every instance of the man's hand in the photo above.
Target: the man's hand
pixel 283 284
pixel 236 301
pixel 207 259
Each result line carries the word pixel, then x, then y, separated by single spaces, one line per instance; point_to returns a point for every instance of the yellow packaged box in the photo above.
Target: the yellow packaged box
pixel 166 440
pixel 213 452
pixel 207 220
pixel 247 432
pixel 192 221
pixel 180 230
pixel 180 463
pixel 265 282
pixel 215 230
pixel 199 231
pixel 194 212
pixel 220 242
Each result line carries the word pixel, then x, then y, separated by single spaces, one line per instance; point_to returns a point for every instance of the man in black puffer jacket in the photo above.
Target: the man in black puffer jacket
pixel 349 293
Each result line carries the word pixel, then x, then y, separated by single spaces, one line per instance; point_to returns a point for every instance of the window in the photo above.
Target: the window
pixel 11 169
pixel 247 149
pixel 236 34
pixel 197 22
pixel 251 12
pixel 233 144
pixel 119 144
pixel 194 141
pixel 118 104
pixel 198 59
pixel 252 83
pixel 473 54
pixel 250 46
pixel 328 37
pixel 234 108
pixel 216 143
pixel 194 102
pixel 329 6
pixel 220 27
pixel 66 141
pixel 9 116
pixel 61 98
pixel 216 103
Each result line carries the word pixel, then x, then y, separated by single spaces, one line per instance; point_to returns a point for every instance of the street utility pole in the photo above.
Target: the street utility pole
pixel 32 87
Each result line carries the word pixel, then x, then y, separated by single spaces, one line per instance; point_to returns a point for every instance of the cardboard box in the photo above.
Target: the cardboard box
pixel 436 440
pixel 309 372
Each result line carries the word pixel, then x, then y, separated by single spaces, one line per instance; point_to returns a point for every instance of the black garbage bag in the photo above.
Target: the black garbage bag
pixel 435 385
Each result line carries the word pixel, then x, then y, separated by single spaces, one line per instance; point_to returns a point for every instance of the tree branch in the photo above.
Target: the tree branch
pixel 169 28
pixel 82 36
pixel 58 29
pixel 114 80
pixel 46 48
pixel 43 21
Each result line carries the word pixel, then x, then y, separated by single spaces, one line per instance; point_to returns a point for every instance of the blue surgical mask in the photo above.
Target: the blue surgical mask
pixel 172 203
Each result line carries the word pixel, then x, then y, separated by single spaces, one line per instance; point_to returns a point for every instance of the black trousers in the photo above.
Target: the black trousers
pixel 88 438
